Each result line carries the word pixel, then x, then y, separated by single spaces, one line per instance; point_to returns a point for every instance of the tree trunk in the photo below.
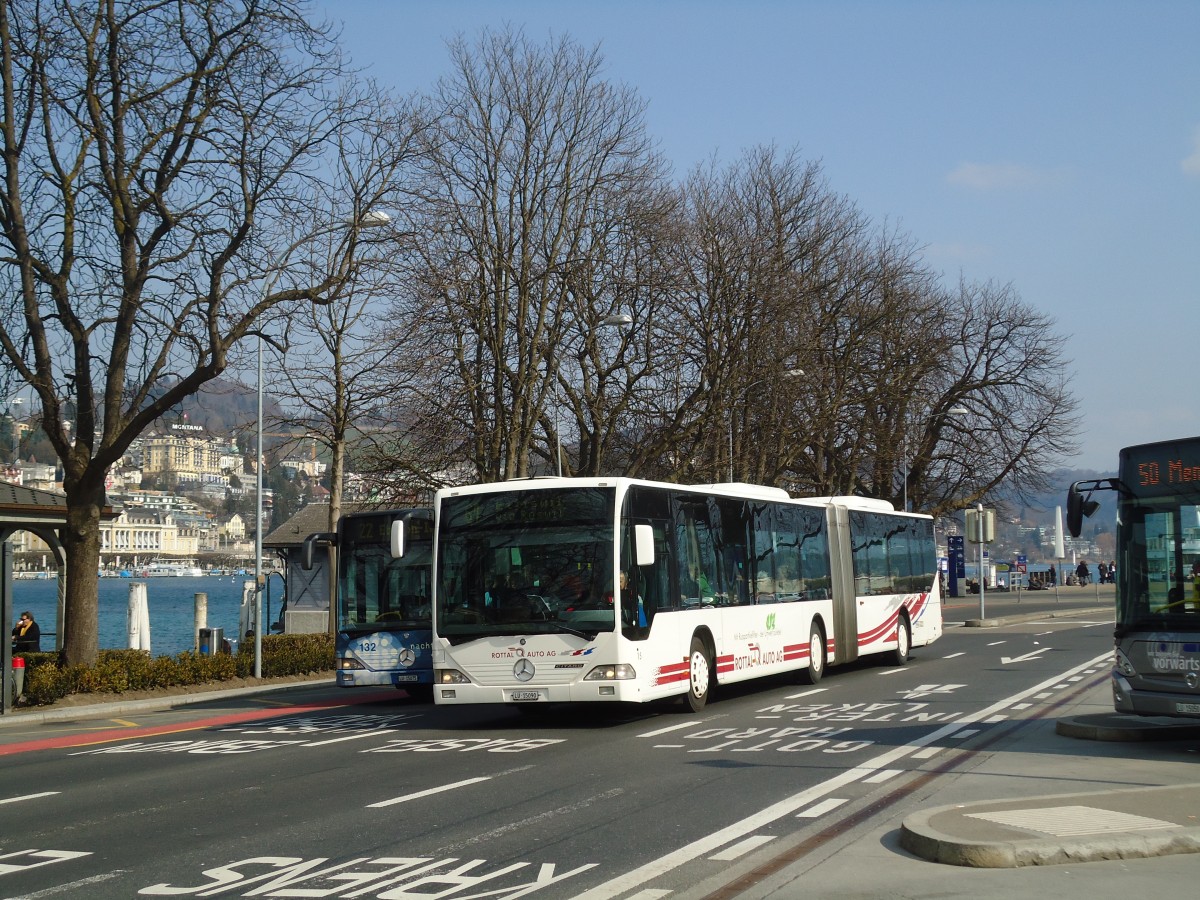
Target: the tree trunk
pixel 81 544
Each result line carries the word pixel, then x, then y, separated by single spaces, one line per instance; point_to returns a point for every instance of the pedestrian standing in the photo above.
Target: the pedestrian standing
pixel 27 636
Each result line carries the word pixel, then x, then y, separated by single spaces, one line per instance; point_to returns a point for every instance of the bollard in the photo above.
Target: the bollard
pixel 18 678
pixel 138 617
pixel 200 614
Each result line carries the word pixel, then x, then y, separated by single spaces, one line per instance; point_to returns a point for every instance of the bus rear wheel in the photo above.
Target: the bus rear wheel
pixel 699 675
pixel 816 656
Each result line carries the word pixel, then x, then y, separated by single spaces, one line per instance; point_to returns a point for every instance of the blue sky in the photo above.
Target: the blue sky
pixel 1051 145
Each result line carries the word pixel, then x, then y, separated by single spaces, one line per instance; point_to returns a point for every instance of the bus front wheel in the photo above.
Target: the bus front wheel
pixel 699 675
pixel 816 656
pixel 899 656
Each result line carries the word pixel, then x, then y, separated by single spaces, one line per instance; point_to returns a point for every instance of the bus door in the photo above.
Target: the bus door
pixel 647 589
pixel 845 600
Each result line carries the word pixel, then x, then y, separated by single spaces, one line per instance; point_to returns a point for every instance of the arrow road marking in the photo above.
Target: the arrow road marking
pixel 1032 654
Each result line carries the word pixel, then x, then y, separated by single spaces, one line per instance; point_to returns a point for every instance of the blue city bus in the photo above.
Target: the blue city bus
pixel 384 630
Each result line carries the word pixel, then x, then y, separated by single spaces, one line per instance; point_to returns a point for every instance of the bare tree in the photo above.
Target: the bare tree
pixel 1005 366
pixel 159 161
pixel 530 164
pixel 330 383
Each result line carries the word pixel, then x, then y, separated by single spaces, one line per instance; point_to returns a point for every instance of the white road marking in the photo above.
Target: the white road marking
pixel 805 694
pixel 29 797
pixel 819 809
pixel 953 655
pixel 348 737
pixel 72 885
pixel 428 793
pixel 880 777
pixel 671 728
pixel 1025 657
pixel 635 878
pixel 742 847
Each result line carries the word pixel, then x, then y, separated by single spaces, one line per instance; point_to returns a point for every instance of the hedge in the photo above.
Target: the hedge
pixel 118 671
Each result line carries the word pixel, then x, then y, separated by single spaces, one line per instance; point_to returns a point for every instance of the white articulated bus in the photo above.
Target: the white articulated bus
pixel 612 589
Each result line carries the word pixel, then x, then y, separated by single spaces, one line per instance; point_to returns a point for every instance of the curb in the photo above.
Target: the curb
pixel 1033 617
pixel 998 846
pixel 1120 727
pixel 38 715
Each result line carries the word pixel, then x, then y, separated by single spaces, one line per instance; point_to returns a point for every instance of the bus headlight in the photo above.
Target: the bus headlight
pixel 1124 666
pixel 620 672
pixel 347 662
pixel 450 676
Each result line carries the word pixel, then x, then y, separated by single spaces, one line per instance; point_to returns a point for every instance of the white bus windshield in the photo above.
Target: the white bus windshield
pixel 530 561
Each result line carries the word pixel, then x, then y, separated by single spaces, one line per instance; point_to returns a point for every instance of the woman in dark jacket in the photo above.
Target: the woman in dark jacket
pixel 27 637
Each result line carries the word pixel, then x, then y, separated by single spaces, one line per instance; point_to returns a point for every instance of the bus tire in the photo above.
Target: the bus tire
pixel 816 656
pixel 899 656
pixel 699 675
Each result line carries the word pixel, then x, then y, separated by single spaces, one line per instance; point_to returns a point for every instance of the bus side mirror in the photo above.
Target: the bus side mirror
pixel 1078 507
pixel 398 539
pixel 308 548
pixel 643 545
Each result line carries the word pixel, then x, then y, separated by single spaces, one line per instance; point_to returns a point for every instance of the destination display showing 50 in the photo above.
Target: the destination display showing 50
pixel 378 529
pixel 1163 465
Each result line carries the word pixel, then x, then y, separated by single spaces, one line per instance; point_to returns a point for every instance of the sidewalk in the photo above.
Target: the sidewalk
pixel 1006 607
pixel 87 706
pixel 1066 827
pixel 1062 828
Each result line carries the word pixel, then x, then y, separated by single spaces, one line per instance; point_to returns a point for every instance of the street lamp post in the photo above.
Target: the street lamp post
pixel 16 428
pixel 369 219
pixel 615 321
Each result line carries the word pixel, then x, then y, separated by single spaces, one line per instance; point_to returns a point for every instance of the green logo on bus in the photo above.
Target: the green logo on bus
pixel 771 622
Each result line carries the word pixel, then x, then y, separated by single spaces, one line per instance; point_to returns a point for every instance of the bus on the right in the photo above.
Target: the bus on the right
pixel 1156 669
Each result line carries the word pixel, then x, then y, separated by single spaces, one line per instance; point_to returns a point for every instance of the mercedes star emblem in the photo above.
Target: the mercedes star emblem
pixel 407 657
pixel 523 670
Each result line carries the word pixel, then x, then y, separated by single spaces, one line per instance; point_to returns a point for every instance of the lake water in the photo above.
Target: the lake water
pixel 171 602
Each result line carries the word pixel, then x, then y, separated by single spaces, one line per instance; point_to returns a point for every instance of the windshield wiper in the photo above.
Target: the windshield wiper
pixel 567 629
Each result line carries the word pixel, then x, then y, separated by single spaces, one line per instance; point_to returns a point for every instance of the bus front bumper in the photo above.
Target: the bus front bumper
pixel 525 695
pixel 1152 703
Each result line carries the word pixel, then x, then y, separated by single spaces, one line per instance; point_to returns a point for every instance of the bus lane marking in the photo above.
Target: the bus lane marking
pixel 389 876
pixel 690 852
pixel 464 745
pixel 306 725
pixel 108 734
pixel 12 862
pixel 199 747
